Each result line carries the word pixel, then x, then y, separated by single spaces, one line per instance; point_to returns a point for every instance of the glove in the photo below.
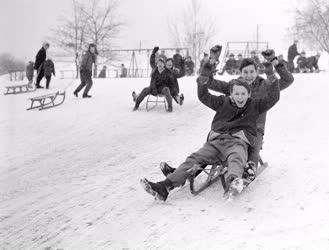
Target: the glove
pixel 269 55
pixel 215 52
pixel 155 50
pixel 208 69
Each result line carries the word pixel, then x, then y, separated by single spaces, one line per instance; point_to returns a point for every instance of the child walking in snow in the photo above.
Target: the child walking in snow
pixel 233 130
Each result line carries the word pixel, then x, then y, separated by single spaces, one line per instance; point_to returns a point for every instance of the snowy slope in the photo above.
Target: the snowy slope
pixel 69 176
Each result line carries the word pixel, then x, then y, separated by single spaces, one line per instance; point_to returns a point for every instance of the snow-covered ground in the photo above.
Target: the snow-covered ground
pixel 69 176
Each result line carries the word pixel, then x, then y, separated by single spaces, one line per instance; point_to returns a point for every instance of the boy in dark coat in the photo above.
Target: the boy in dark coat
pixel 161 81
pixel 124 71
pixel 88 59
pixel 281 60
pixel 233 130
pixel 179 62
pixel 39 60
pixel 292 53
pixel 49 69
pixel 302 63
pixel 312 63
pixel 238 62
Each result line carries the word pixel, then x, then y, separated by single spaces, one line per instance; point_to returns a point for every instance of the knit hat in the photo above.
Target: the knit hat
pixel 161 60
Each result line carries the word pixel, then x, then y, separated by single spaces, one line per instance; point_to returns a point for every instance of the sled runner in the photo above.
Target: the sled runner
pixel 47 101
pixel 158 99
pixel 19 89
pixel 215 172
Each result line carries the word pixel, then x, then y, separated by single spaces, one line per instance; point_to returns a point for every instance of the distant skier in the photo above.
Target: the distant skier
pixel 292 53
pixel 49 69
pixel 39 60
pixel 233 130
pixel 88 59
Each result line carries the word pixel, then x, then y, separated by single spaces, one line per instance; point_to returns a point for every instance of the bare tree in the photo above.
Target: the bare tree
pixel 193 29
pixel 102 25
pixel 70 34
pixel 312 24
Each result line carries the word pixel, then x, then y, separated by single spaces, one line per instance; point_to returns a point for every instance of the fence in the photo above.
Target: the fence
pixel 16 75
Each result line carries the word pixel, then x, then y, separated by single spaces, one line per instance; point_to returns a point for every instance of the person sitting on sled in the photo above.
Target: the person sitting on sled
pixel 233 131
pixel 161 80
pixel 249 72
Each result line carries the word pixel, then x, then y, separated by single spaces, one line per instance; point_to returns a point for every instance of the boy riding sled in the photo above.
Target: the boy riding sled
pixel 233 132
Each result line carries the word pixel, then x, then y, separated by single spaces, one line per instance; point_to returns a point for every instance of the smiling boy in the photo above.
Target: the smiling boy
pixel 233 130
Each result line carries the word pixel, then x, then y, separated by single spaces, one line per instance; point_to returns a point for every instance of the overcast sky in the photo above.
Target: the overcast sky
pixel 24 24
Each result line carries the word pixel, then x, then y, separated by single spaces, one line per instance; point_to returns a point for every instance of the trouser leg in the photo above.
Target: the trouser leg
pixel 40 76
pixel 208 154
pixel 89 83
pixel 145 92
pixel 166 92
pixel 254 150
pixel 48 78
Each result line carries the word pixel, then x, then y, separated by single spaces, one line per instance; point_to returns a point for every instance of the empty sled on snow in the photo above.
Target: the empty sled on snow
pixel 19 89
pixel 214 172
pixel 47 101
pixel 153 101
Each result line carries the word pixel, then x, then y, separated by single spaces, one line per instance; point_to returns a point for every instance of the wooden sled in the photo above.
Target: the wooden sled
pixel 47 101
pixel 158 99
pixel 19 89
pixel 213 173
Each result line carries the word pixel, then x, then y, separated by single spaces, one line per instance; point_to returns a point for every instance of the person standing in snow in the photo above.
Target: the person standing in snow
pixel 39 60
pixel 174 90
pixel 49 69
pixel 86 66
pixel 292 53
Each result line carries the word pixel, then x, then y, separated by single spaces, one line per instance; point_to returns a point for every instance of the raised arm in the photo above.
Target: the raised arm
pixel 211 101
pixel 272 97
pixel 219 86
pixel 286 78
pixel 152 58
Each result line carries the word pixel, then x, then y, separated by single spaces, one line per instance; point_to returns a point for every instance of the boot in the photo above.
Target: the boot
pixel 166 169
pixel 75 93
pixel 158 190
pixel 134 96
pixel 234 185
pixel 86 96
pixel 181 99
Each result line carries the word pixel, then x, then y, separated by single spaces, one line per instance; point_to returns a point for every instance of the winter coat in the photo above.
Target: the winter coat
pixel 161 80
pixel 29 71
pixel 230 64
pixel 189 67
pixel 178 62
pixel 312 62
pixel 230 119
pixel 124 72
pixel 258 89
pixel 40 58
pixel 87 61
pixel 302 62
pixel 174 88
pixel 292 52
pixel 48 67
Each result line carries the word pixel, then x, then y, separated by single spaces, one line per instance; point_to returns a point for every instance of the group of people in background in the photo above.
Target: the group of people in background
pixel 304 64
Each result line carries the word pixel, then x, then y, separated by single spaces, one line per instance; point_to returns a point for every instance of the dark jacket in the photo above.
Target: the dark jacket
pixel 29 71
pixel 40 58
pixel 174 88
pixel 302 62
pixel 161 80
pixel 178 61
pixel 230 64
pixel 229 119
pixel 48 67
pixel 87 61
pixel 258 89
pixel 312 62
pixel 292 52
pixel 189 67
